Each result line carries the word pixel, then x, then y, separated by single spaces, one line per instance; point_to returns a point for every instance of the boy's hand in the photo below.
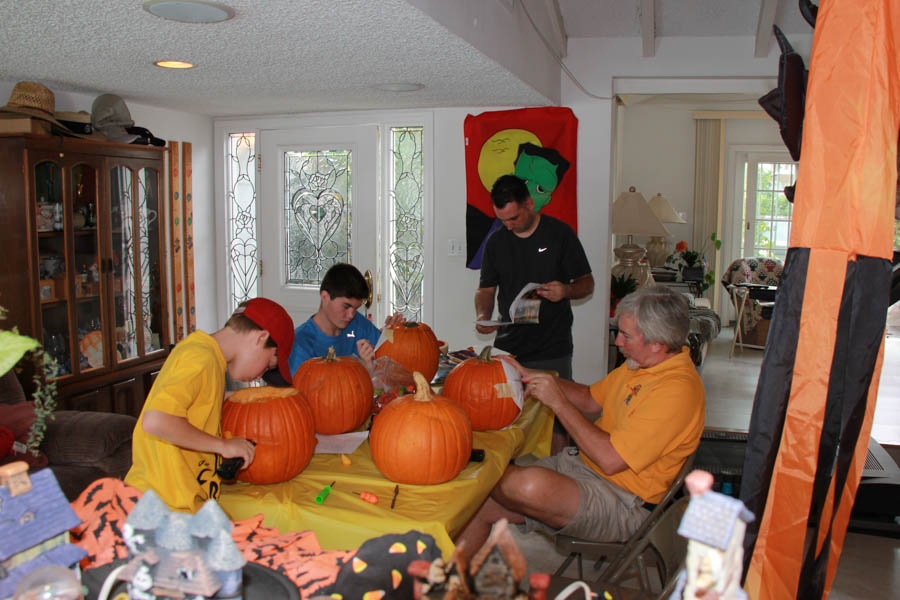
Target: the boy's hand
pixel 239 447
pixel 366 352
pixel 394 319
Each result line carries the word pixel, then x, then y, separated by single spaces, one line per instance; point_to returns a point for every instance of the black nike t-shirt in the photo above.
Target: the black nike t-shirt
pixel 552 253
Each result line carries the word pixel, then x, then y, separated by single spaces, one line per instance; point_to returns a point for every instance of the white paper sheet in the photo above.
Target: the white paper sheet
pixel 343 443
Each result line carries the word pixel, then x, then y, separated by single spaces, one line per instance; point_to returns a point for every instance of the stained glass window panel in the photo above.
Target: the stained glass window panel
pixel 240 182
pixel 317 204
pixel 407 222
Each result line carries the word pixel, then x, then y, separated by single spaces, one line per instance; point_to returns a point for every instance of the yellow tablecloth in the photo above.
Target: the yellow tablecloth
pixel 344 521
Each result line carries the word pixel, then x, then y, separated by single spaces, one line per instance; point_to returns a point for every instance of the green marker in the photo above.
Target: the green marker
pixel 324 493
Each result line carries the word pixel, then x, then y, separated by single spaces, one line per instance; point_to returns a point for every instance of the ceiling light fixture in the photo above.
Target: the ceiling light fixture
pixel 174 64
pixel 189 11
pixel 399 87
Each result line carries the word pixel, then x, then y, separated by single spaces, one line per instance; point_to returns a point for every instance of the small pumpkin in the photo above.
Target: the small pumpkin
pixel 479 387
pixel 421 438
pixel 339 391
pixel 413 345
pixel 280 422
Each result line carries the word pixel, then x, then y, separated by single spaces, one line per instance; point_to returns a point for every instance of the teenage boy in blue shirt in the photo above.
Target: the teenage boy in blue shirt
pixel 338 323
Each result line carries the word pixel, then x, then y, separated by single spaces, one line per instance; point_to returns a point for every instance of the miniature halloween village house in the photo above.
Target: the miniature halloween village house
pixel 35 519
pixel 178 555
pixel 714 525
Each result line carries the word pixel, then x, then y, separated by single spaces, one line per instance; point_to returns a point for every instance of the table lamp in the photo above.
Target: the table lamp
pixel 631 215
pixel 658 249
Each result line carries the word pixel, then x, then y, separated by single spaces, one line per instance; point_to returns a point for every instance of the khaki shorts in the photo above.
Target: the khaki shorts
pixel 606 512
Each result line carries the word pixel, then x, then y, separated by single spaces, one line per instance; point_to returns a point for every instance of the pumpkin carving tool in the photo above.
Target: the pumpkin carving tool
pixel 367 497
pixel 324 493
pixel 394 499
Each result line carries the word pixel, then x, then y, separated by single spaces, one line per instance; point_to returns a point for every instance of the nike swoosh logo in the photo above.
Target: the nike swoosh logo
pixel 351 334
pixel 541 249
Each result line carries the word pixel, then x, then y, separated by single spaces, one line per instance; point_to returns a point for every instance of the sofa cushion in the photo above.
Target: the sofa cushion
pixel 89 438
pixel 18 418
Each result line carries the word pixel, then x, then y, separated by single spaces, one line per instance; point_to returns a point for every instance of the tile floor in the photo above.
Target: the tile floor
pixel 870 565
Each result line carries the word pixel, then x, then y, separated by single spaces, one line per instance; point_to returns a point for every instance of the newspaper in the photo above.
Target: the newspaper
pixel 524 309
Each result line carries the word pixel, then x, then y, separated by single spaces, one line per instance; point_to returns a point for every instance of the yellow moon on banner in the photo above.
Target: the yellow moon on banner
pixel 498 154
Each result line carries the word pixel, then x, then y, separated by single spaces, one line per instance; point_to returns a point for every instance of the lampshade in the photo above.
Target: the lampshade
pixel 663 210
pixel 631 215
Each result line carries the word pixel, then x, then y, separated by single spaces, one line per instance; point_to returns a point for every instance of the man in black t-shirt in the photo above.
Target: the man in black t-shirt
pixel 532 248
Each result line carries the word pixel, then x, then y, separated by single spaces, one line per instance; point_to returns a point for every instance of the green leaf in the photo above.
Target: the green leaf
pixel 12 347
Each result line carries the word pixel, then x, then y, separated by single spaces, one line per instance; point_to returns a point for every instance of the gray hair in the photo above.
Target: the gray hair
pixel 661 315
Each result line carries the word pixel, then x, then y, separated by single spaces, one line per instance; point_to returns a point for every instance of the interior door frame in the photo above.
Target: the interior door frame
pixel 223 127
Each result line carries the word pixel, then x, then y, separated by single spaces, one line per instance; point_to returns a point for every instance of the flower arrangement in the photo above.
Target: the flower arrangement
pixel 693 264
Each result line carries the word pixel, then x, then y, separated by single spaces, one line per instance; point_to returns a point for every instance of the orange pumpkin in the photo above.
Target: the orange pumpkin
pixel 413 345
pixel 479 387
pixel 421 438
pixel 339 391
pixel 281 423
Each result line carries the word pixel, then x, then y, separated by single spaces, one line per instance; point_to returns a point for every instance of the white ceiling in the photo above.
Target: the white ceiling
pixel 284 56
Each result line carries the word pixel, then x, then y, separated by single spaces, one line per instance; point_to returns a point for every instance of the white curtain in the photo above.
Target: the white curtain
pixel 707 148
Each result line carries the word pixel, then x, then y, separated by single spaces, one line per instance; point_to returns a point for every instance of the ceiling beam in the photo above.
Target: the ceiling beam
pixel 767 9
pixel 648 27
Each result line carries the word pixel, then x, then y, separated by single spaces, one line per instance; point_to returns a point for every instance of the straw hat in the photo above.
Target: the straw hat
pixel 33 99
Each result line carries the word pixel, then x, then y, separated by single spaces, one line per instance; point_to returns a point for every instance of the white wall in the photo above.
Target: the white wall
pixel 183 127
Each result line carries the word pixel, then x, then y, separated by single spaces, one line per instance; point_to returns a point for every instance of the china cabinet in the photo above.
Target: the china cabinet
pixel 82 263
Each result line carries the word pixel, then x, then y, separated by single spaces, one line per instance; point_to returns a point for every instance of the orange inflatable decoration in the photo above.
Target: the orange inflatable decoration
pixel 815 399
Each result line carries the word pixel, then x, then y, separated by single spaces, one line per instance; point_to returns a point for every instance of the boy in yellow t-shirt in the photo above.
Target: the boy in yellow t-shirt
pixel 177 442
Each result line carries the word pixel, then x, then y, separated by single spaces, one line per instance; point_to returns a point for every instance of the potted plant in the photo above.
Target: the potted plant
pixel 692 263
pixel 620 286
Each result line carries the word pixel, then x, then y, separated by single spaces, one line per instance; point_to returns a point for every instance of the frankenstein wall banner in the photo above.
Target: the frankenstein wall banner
pixel 536 144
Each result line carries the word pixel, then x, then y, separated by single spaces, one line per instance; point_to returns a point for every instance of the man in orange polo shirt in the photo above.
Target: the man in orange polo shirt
pixel 653 410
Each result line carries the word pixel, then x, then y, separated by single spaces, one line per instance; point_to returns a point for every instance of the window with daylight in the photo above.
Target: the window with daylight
pixel 766 210
pixel 407 222
pixel 240 203
pixel 317 206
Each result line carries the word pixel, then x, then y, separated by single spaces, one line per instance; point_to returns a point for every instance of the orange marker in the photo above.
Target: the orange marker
pixel 367 497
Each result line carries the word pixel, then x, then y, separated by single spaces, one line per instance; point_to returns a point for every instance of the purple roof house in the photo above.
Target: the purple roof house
pixel 34 528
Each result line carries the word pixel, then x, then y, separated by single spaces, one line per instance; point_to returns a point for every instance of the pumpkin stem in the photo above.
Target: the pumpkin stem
pixel 423 389
pixel 331 355
pixel 485 354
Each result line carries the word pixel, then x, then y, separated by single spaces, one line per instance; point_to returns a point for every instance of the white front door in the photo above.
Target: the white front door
pixel 317 207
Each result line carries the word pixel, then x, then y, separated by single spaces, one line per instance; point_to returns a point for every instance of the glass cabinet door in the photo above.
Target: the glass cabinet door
pixel 149 230
pixel 121 182
pixel 83 189
pixel 137 261
pixel 53 269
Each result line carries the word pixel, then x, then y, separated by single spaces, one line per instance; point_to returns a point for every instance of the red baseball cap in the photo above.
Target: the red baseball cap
pixel 272 317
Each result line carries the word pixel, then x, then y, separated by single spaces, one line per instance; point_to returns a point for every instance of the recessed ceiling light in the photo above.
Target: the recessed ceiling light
pixel 399 87
pixel 174 64
pixel 189 11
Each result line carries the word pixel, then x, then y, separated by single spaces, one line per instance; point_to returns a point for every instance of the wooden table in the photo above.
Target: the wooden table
pixel 343 521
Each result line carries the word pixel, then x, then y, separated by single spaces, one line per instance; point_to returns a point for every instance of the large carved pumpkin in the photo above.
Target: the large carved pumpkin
pixel 339 391
pixel 421 438
pixel 479 387
pixel 281 423
pixel 413 345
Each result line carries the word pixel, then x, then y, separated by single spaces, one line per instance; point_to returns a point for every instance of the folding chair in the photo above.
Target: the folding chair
pixel 576 548
pixel 661 547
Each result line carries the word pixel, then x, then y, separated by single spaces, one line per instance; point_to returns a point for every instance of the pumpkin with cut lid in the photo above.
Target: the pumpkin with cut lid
pixel 339 391
pixel 413 345
pixel 480 388
pixel 421 438
pixel 280 422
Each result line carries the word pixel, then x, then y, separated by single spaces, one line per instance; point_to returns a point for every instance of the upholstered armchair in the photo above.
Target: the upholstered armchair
pixel 756 314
